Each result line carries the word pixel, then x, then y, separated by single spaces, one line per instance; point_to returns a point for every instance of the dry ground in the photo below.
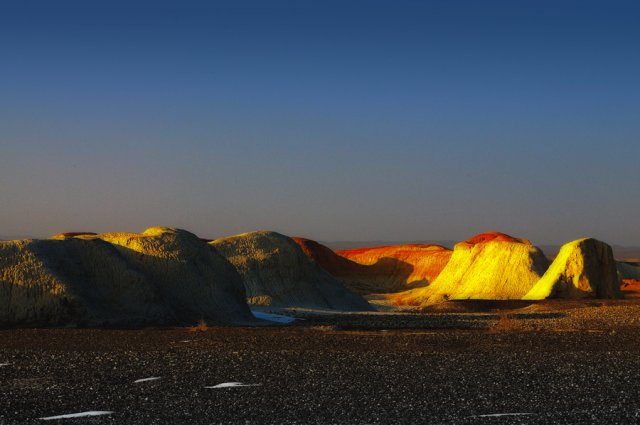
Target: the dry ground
pixel 555 362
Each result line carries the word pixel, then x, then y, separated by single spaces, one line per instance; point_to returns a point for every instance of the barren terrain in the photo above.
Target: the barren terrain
pixel 476 362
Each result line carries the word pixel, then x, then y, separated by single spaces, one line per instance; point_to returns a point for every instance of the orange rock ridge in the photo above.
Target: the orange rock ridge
pixel 380 269
pixel 494 236
pixel 630 288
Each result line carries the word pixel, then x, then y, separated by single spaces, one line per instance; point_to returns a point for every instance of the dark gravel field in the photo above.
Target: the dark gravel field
pixel 580 365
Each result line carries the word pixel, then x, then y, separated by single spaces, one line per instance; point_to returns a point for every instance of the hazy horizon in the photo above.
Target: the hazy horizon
pixel 338 121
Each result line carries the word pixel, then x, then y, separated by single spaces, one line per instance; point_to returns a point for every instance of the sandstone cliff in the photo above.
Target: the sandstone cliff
pixel 584 268
pixel 487 266
pixel 276 272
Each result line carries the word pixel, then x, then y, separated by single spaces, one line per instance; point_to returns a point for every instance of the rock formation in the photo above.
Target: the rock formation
pixel 584 268
pixel 198 281
pixel 277 273
pixel 487 266
pixel 380 269
pixel 629 276
pixel 162 276
pixel 410 265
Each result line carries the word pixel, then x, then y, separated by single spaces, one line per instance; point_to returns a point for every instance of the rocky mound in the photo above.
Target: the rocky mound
pixel 162 276
pixel 630 288
pixel 356 277
pixel 380 269
pixel 402 266
pixel 584 268
pixel 197 280
pixel 276 272
pixel 489 266
pixel 629 276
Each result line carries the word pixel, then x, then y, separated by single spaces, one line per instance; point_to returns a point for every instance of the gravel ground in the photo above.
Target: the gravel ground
pixel 574 363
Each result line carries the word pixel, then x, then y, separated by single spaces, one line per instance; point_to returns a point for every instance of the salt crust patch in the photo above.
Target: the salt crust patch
pixel 233 385
pixel 153 378
pixel 496 415
pixel 77 415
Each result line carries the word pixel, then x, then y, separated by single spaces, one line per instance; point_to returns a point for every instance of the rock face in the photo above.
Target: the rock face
pixel 198 281
pixel 584 268
pixel 629 276
pixel 277 273
pixel 381 269
pixel 487 266
pixel 410 265
pixel 162 276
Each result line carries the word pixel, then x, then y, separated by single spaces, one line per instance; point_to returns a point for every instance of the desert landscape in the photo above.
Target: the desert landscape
pixel 319 212
pixel 165 327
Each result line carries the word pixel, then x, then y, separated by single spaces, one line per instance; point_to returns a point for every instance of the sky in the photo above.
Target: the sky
pixel 334 120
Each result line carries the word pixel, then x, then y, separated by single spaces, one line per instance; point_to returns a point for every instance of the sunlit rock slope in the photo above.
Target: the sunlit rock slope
pixel 276 272
pixel 487 266
pixel 584 268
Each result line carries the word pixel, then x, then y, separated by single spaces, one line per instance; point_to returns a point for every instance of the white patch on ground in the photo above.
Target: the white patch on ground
pixel 233 385
pixel 77 415
pixel 277 318
pixel 4 364
pixel 496 415
pixel 153 378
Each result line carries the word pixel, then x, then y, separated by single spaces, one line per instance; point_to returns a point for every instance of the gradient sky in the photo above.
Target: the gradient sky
pixel 335 120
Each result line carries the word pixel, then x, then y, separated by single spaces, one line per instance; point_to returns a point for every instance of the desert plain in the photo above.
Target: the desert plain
pixel 549 362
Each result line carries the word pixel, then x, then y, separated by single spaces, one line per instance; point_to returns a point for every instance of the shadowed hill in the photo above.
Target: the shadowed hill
pixel 380 269
pixel 162 276
pixel 276 272
pixel 198 281
pixel 487 266
pixel 412 265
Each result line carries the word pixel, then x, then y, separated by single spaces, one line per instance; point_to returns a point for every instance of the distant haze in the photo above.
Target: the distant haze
pixel 333 120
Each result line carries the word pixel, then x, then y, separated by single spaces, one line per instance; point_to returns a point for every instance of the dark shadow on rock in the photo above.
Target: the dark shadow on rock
pixel 93 283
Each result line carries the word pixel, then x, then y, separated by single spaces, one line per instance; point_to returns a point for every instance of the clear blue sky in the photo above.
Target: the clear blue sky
pixel 335 120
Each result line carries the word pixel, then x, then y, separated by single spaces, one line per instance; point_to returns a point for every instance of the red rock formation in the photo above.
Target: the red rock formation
pixel 630 288
pixel 380 269
pixel 493 236
pixel 413 265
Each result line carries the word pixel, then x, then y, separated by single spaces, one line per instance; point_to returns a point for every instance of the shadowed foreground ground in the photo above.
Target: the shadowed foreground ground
pixel 571 366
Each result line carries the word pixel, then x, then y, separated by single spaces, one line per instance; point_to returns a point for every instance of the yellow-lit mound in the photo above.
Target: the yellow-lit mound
pixel 584 268
pixel 163 276
pixel 488 266
pixel 276 272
